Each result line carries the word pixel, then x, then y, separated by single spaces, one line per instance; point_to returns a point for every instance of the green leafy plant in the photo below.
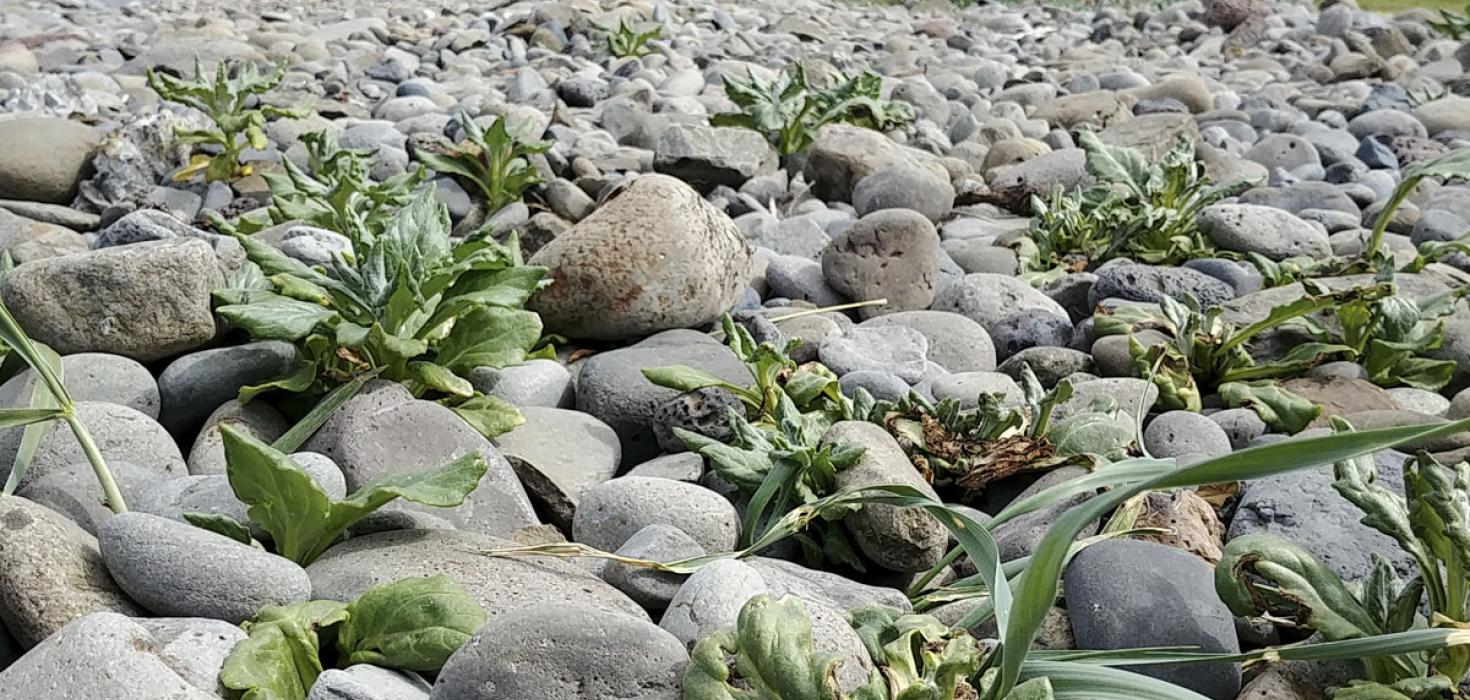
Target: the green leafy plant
pixel 790 112
pixel 413 624
pixel 768 655
pixel 496 162
pixel 1450 165
pixel 301 520
pixel 1390 336
pixel 408 304
pixel 335 192
pixel 1430 522
pixel 918 657
pixel 1139 209
pixel 812 388
pixel 1206 351
pixel 1455 25
pixel 49 401
pixel 775 454
pixel 780 468
pixel 628 42
pixel 225 100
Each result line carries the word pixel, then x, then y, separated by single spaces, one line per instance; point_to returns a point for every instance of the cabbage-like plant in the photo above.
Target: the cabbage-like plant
pixel 408 304
pixel 1267 574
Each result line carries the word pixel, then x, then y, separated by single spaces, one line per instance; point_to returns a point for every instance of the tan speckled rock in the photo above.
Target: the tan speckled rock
pixel 654 257
pixel 50 573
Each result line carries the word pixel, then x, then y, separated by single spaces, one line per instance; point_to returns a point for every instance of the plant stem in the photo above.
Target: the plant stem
pixel 94 455
pixel 1400 193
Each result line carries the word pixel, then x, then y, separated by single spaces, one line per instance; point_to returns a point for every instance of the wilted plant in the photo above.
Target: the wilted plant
pixel 965 450
pixel 302 521
pixel 414 624
pixel 496 162
pixel 789 112
pixel 628 42
pixel 1267 574
pixel 408 304
pixel 226 101
pixel 1139 209
pixel 335 192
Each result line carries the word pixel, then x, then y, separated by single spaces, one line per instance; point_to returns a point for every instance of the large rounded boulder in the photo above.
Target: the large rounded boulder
pixel 654 256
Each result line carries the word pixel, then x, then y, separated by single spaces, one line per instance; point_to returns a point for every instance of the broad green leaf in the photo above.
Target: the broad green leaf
pixel 772 656
pixel 440 379
pixel 489 337
pixel 282 498
pixel 683 378
pixel 277 317
pixel 286 502
pixel 414 624
pixel 220 525
pixel 1267 574
pixel 745 468
pixel 298 380
pixel 1432 688
pixel 1277 407
pixel 490 415
pixel 1093 433
pixel 1034 689
pixel 1116 164
pixel 281 658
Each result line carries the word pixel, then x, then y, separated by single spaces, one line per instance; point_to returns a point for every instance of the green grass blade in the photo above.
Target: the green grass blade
pixel 21 344
pixel 41 400
pixel 1074 681
pixel 1410 642
pixel 1038 584
pixel 297 436
pixel 1110 475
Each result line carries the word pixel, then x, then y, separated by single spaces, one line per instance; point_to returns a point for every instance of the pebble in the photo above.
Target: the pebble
pixel 559 455
pixel 655 218
pixel 51 573
pixel 890 254
pixel 1126 593
pixel 120 310
pixel 1180 433
pixel 899 350
pixel 955 342
pixel 553 651
pixel 682 263
pixel 179 570
pixel 617 509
